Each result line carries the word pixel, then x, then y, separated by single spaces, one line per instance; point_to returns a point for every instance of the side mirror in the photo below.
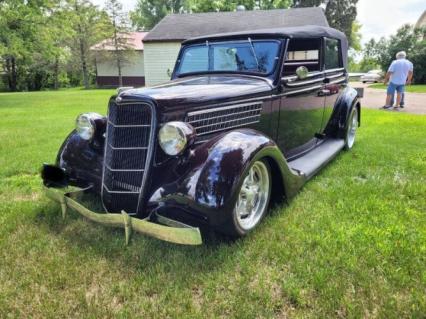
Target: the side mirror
pixel 302 72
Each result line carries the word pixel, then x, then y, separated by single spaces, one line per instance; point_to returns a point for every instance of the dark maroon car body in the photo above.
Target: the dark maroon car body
pixel 295 118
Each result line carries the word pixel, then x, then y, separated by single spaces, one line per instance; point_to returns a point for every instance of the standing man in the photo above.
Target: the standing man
pixel 400 73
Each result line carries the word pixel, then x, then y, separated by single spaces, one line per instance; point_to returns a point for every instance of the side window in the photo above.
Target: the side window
pixel 304 52
pixel 332 54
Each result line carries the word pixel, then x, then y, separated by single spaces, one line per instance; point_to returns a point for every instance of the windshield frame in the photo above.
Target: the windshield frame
pixel 248 40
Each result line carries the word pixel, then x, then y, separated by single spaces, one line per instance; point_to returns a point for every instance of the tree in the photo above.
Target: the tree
pixel 122 48
pixel 369 59
pixel 23 38
pixel 341 14
pixel 90 25
pixel 149 12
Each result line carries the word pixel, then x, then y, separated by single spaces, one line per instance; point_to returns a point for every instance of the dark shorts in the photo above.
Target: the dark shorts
pixel 400 88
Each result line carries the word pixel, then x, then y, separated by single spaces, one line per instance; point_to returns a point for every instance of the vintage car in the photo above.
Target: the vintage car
pixel 246 118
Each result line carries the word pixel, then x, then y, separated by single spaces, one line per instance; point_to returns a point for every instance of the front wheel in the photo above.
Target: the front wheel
pixel 351 128
pixel 252 200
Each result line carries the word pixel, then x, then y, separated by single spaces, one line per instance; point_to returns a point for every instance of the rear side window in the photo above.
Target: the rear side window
pixel 302 52
pixel 332 54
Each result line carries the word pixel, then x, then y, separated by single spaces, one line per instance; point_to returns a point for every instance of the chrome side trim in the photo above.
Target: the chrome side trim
pixel 301 90
pixel 334 70
pixel 294 77
pixel 211 110
pixel 335 76
pixel 338 81
pixel 302 83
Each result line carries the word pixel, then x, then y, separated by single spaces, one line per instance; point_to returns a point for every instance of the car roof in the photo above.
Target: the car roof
pixel 306 32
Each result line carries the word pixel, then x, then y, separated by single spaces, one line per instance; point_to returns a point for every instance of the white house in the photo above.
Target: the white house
pixel 133 70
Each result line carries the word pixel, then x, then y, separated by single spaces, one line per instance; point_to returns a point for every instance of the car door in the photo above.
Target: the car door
pixel 335 77
pixel 302 100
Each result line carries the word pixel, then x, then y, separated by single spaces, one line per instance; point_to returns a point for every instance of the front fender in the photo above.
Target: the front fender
pixel 213 174
pixel 82 161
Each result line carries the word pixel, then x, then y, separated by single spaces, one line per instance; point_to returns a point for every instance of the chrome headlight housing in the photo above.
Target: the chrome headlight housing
pixel 174 137
pixel 85 125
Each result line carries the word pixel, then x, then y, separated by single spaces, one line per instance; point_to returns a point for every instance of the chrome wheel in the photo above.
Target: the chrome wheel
pixel 254 196
pixel 352 126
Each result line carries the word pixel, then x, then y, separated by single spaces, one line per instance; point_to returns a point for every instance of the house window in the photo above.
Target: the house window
pixel 332 54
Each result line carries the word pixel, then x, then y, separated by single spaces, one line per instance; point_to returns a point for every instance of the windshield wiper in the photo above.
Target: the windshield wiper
pixel 254 53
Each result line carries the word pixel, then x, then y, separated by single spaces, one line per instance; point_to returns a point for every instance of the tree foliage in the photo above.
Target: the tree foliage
pixel 341 15
pixel 149 12
pixel 44 43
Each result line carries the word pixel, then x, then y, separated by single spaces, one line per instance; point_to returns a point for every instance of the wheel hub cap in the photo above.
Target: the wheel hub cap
pixel 253 196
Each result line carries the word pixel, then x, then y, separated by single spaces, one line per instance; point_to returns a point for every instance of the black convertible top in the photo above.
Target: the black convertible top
pixel 305 32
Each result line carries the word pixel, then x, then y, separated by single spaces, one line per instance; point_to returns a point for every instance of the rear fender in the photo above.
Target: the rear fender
pixel 344 105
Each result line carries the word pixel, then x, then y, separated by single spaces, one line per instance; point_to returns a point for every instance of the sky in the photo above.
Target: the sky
pixel 378 17
pixel 383 17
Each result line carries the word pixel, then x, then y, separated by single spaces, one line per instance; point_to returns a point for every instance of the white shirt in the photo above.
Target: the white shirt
pixel 400 69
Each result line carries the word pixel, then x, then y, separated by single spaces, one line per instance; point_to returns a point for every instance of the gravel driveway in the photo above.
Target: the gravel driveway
pixel 375 98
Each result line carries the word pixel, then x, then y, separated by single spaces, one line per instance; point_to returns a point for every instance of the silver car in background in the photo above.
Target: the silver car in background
pixel 372 76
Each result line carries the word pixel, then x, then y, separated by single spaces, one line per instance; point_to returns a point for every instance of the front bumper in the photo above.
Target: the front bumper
pixel 166 229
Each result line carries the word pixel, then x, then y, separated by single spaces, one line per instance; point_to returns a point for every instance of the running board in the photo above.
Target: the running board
pixel 310 163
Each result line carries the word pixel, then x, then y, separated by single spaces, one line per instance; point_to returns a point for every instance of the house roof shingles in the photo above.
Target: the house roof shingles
pixel 179 27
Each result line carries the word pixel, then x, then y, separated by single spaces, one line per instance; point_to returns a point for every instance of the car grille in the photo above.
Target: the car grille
pixel 128 152
pixel 226 117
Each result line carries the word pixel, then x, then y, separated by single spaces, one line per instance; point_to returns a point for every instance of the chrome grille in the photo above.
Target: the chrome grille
pixel 226 117
pixel 127 155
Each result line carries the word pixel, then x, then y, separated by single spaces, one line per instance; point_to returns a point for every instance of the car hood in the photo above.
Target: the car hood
pixel 201 90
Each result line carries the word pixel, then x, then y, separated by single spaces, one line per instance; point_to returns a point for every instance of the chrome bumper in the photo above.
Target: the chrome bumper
pixel 169 230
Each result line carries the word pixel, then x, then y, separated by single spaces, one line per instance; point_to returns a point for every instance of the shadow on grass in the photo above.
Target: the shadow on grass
pixel 143 253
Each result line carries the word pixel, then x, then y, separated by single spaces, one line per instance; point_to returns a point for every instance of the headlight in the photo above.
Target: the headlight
pixel 175 136
pixel 85 125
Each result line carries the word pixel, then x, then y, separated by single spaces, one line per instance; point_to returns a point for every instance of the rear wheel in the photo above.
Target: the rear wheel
pixel 351 128
pixel 252 201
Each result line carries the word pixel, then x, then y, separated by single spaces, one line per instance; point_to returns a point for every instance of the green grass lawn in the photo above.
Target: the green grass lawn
pixel 352 244
pixel 414 88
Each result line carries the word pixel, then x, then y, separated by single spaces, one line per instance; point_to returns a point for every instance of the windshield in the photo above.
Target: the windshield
pixel 236 56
